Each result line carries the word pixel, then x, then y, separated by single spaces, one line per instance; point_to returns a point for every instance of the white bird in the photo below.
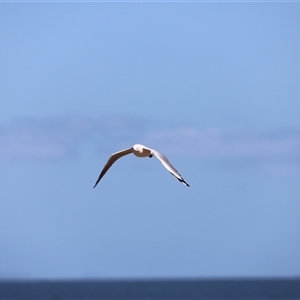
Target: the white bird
pixel 141 151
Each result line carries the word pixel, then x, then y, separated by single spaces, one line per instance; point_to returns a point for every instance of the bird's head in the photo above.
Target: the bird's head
pixel 138 147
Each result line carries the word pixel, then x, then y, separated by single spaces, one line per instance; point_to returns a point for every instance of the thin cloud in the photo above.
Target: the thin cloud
pixel 215 143
pixel 40 140
pixel 276 153
pixel 58 138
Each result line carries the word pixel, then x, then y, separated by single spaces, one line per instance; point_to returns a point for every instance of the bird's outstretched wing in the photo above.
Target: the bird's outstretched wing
pixel 169 167
pixel 112 159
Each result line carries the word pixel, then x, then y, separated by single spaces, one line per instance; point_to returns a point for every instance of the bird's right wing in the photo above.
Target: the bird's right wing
pixel 111 160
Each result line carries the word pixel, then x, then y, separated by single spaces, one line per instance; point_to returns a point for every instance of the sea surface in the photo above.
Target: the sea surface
pixel 152 289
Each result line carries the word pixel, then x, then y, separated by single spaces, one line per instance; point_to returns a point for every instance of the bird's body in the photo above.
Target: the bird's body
pixel 141 151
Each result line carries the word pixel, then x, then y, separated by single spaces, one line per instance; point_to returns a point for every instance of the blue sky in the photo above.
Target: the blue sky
pixel 213 86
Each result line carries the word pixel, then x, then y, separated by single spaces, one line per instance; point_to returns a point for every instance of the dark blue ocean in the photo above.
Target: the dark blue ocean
pixel 152 289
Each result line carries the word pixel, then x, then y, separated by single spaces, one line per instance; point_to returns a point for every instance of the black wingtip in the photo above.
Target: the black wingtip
pixel 95 184
pixel 185 183
pixel 181 180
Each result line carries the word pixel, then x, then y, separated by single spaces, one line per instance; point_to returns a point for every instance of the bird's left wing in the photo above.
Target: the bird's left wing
pixel 111 160
pixel 168 166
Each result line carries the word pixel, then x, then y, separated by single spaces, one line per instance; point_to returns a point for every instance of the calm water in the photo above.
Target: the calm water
pixel 153 289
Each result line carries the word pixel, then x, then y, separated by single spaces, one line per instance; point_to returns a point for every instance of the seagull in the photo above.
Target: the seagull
pixel 141 151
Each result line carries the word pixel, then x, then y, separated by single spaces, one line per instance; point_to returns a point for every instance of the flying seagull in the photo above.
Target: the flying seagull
pixel 141 151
